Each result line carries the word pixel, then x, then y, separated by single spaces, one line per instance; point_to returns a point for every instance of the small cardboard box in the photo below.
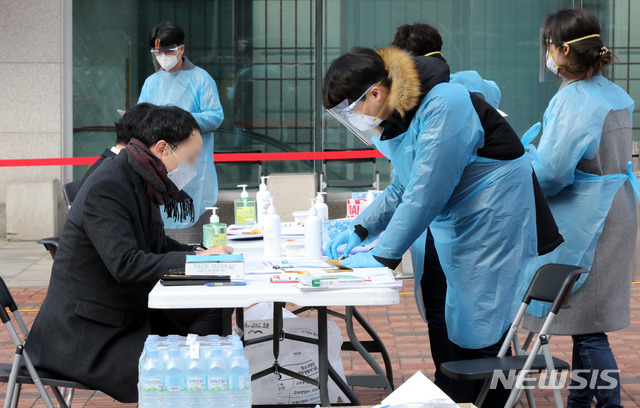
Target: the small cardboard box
pixel 224 265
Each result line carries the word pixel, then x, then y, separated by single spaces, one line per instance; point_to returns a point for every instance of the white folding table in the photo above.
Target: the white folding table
pixel 259 289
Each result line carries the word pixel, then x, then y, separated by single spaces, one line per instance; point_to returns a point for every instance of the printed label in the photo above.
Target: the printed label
pixel 218 239
pixel 196 383
pixel 152 384
pixel 217 383
pixel 246 215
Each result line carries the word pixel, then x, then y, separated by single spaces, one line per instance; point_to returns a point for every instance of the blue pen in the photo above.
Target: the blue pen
pixel 212 284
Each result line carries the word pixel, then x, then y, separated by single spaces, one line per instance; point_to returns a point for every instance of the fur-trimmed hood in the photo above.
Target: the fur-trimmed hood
pixel 404 94
pixel 411 79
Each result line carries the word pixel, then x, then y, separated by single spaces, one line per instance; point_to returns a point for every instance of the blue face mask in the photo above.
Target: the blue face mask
pixel 183 174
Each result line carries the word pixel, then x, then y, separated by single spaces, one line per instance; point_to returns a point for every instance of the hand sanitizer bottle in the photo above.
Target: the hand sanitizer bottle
pixel 321 207
pixel 313 234
pixel 244 208
pixel 272 232
pixel 214 233
pixel 263 197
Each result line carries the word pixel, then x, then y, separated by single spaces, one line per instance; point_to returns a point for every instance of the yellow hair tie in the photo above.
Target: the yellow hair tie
pixel 432 53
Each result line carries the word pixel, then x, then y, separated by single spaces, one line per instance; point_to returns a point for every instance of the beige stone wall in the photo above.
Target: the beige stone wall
pixel 30 117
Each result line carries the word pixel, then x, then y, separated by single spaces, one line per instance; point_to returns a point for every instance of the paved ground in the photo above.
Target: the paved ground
pixel 26 269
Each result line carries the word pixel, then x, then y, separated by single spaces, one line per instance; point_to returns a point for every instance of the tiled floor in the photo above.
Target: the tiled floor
pixel 405 336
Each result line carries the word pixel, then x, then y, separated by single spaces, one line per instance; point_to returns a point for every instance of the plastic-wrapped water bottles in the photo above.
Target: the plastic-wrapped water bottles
pixel 217 379
pixel 196 377
pixel 239 379
pixel 174 379
pixel 194 372
pixel 152 380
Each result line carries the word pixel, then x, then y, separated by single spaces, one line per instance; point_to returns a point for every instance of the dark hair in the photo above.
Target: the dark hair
pixel 349 76
pixel 588 56
pixel 130 120
pixel 418 39
pixel 169 123
pixel 168 33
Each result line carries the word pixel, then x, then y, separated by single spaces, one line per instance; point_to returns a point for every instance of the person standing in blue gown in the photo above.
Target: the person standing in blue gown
pixel 180 83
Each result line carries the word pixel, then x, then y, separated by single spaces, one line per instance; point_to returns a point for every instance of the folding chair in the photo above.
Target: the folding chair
pixel 551 283
pixel 22 370
pixel 70 191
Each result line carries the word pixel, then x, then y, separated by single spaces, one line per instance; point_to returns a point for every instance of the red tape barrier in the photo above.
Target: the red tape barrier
pixel 219 157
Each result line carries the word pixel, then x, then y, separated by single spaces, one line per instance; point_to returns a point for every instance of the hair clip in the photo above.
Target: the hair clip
pixel 603 51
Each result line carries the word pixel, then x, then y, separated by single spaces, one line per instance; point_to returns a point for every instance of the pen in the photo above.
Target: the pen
pixel 215 284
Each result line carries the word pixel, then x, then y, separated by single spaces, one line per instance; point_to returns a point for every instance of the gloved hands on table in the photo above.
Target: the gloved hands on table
pixel 352 240
pixel 361 260
pixel 345 237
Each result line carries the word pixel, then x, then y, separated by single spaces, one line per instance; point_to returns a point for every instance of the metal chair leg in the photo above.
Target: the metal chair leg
pixel 56 393
pixel 11 385
pixel 16 395
pixel 70 393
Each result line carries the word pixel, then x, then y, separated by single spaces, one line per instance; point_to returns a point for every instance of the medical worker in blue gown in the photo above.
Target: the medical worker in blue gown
pixel 422 39
pixel 476 193
pixel 178 82
pixel 583 164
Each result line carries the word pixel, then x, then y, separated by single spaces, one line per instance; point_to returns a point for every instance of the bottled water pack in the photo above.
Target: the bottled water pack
pixel 194 372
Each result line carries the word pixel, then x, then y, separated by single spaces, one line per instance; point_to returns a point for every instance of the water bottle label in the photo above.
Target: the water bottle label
pixel 239 382
pixel 217 383
pixel 151 384
pixel 174 383
pixel 195 383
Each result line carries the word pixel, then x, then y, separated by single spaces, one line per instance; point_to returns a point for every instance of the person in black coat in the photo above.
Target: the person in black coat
pixel 94 320
pixel 124 130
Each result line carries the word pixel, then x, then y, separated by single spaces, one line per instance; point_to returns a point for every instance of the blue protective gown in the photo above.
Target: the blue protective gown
pixel 192 89
pixel 579 201
pixel 475 83
pixel 481 213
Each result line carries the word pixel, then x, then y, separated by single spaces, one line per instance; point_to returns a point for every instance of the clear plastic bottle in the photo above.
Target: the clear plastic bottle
pixel 215 233
pixel 174 379
pixel 152 380
pixel 196 377
pixel 239 379
pixel 217 379
pixel 150 343
pixel 244 208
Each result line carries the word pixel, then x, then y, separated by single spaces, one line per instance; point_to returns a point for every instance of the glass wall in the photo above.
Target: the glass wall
pixel 263 55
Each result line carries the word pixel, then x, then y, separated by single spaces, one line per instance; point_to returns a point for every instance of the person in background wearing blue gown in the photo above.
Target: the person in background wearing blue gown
pixel 180 83
pixel 474 190
pixel 583 164
pixel 423 39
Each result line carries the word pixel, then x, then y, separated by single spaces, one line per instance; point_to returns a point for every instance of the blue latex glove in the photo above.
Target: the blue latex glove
pixel 345 237
pixel 361 260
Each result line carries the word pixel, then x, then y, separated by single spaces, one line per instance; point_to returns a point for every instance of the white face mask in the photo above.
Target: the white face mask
pixel 551 64
pixel 183 174
pixel 167 62
pixel 363 122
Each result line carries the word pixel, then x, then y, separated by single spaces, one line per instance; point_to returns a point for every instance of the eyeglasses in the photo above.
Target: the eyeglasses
pixel 166 51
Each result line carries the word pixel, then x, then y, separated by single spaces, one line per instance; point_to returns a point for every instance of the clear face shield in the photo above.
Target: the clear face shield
pixel 365 127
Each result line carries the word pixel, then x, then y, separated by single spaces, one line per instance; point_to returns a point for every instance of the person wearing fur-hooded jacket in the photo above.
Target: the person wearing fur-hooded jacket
pixel 475 192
